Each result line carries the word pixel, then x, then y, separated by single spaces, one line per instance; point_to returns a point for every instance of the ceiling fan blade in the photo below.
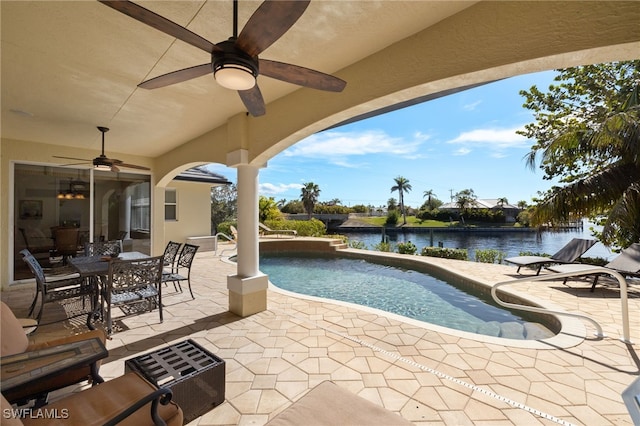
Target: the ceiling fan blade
pixel 177 76
pixel 75 164
pixel 268 23
pixel 130 166
pixel 114 168
pixel 301 76
pixel 71 158
pixel 253 100
pixel 158 22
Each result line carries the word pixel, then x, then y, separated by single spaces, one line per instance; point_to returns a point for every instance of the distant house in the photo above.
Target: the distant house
pixel 510 211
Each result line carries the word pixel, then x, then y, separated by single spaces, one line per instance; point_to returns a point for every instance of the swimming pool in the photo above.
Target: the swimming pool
pixel 415 294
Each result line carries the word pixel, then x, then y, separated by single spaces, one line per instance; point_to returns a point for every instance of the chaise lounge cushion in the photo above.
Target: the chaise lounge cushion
pixel 329 404
pixel 101 403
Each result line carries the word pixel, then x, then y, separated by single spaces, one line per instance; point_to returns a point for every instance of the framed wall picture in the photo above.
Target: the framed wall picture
pixel 30 209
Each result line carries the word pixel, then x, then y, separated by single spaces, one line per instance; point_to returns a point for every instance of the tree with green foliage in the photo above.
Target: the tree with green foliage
pixel 391 204
pixel 402 185
pixel 268 209
pixel 224 205
pixel 464 200
pixel 587 134
pixel 309 195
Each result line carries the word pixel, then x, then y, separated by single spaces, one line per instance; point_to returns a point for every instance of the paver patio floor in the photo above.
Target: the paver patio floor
pixel 427 376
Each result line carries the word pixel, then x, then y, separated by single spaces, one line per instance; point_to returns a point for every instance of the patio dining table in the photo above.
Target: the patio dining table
pixel 96 269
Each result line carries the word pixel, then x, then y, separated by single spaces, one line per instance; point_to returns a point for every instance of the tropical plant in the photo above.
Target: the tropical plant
pixel 465 199
pixel 502 201
pixel 588 134
pixel 447 253
pixel 402 185
pixel 406 248
pixel 391 204
pixel 382 246
pixel 522 204
pixel 489 256
pixel 268 209
pixel 392 218
pixel 309 196
pixel 357 244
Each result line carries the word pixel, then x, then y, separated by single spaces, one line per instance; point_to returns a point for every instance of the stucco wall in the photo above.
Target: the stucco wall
pixel 194 212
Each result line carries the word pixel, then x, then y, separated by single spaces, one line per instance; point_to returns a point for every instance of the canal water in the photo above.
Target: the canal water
pixel 509 242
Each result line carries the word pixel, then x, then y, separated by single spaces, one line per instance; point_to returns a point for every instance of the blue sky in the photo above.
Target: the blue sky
pixel 463 141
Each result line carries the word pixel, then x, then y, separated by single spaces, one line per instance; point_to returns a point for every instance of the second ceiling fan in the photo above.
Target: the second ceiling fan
pixel 103 162
pixel 234 62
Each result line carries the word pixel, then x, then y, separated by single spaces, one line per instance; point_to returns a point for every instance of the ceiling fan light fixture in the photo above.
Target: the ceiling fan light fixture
pixel 234 69
pixel 234 77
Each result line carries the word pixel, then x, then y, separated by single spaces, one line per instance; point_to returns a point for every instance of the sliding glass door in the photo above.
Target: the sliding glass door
pixel 97 205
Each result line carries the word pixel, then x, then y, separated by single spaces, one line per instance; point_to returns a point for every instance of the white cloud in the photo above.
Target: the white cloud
pixel 492 138
pixel 471 106
pixel 462 151
pixel 270 189
pixel 335 147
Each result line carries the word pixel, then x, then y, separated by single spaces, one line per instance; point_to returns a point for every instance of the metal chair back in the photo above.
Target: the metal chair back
pixel 103 248
pixel 50 288
pixel 170 253
pixel 134 284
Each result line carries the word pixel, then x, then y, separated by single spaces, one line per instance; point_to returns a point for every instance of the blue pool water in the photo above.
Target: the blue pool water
pixel 413 294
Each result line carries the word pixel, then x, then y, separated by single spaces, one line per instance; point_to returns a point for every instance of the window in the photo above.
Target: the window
pixel 170 204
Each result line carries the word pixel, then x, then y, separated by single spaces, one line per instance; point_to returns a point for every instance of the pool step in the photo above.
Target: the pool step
pixel 514 330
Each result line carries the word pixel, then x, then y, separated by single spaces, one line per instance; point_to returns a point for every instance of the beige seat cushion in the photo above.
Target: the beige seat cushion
pixel 329 404
pixel 98 404
pixel 13 339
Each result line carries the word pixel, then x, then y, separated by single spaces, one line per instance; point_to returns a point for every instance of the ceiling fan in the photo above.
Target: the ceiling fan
pixel 234 62
pixel 102 162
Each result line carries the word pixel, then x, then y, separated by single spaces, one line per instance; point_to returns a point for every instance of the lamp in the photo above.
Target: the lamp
pixel 234 69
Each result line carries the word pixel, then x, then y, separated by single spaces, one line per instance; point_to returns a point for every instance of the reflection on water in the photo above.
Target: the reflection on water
pixel 512 243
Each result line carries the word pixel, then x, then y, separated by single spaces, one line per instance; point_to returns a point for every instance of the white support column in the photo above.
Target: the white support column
pixel 248 221
pixel 248 288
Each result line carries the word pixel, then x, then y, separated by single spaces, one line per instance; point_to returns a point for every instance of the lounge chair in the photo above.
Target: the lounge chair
pixel 626 263
pixel 15 341
pixel 286 233
pixel 128 400
pixel 567 254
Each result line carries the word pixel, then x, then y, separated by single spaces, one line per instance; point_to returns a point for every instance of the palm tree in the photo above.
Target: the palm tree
pixel 309 196
pixel 402 185
pixel 502 201
pixel 429 193
pixel 465 199
pixel 522 204
pixel 613 187
pixel 391 204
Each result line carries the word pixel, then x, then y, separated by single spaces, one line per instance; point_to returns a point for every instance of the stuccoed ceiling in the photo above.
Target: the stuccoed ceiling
pixel 70 66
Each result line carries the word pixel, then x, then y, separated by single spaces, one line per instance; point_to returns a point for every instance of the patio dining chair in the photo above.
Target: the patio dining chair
pixel 169 256
pixel 103 248
pixel 57 287
pixel 183 263
pixel 134 286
